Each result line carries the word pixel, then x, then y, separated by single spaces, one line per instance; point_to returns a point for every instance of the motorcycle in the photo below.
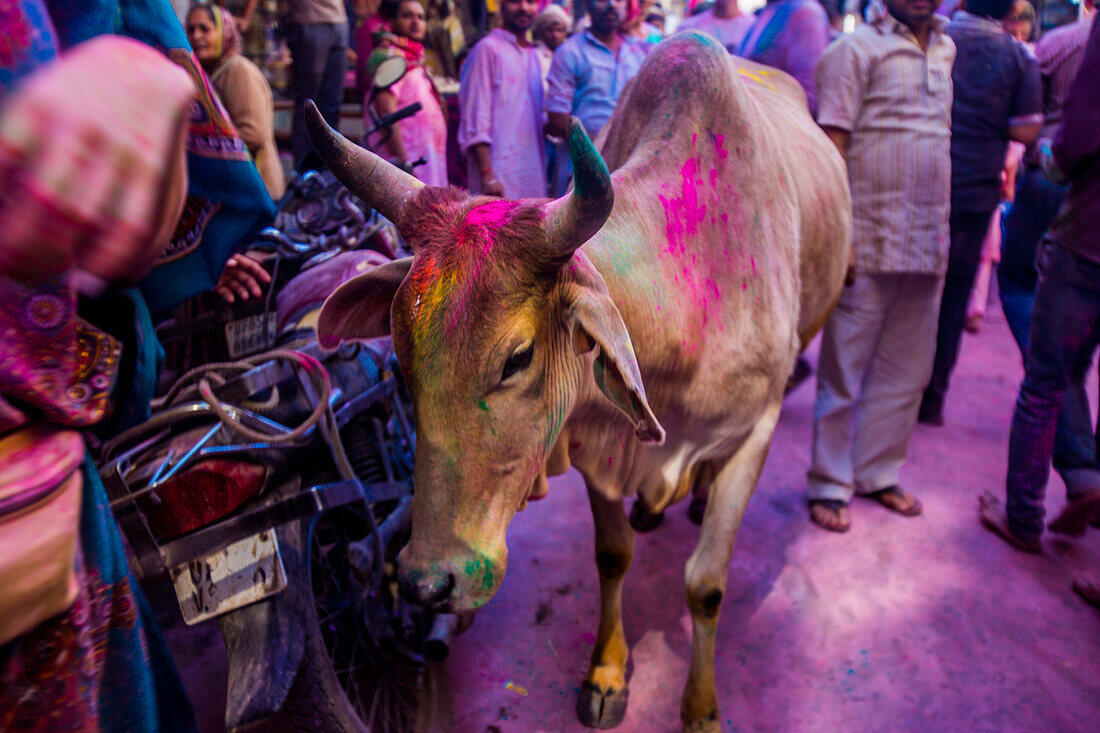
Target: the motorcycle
pixel 273 487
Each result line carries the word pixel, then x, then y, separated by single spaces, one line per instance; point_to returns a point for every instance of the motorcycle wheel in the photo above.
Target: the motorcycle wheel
pixel 349 681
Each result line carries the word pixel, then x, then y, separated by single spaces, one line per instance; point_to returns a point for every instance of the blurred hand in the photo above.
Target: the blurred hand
pixel 1008 183
pixel 243 277
pixel 92 164
pixel 492 187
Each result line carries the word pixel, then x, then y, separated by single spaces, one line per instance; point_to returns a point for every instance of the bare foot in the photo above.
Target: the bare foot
pixel 830 514
pixel 896 500
pixel 994 518
pixel 1077 514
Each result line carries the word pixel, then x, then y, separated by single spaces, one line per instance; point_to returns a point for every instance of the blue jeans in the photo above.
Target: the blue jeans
pixel 1034 207
pixel 318 51
pixel 1037 202
pixel 1065 331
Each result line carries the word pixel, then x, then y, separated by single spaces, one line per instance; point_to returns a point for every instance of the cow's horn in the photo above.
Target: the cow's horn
pixel 380 184
pixel 575 217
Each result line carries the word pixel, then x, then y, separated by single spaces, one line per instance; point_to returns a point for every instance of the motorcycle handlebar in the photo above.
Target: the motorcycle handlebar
pixel 406 111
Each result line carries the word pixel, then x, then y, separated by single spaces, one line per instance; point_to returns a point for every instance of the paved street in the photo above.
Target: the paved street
pixel 900 625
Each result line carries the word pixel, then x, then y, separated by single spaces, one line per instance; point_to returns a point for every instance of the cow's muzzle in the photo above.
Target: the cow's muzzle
pixel 432 590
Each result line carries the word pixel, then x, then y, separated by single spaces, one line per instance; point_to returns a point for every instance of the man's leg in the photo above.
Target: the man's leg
pixel 895 380
pixel 1063 336
pixel 967 231
pixel 847 344
pixel 1036 203
pixel 331 93
pixel 309 55
pixel 1074 437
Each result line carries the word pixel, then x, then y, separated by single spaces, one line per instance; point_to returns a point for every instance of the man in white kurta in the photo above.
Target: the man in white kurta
pixel 500 95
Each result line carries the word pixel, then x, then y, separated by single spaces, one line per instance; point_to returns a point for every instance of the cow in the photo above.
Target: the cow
pixel 641 329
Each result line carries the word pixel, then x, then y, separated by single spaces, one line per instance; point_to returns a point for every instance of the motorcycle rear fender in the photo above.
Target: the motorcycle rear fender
pixel 264 641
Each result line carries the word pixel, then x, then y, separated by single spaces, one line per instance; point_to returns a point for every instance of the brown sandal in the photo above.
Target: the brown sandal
pixel 897 500
pixel 830 514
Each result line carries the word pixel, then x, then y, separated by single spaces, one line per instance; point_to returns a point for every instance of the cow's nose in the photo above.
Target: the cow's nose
pixel 426 589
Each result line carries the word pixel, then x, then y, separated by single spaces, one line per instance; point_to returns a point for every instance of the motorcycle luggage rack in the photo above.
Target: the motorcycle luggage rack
pixel 286 503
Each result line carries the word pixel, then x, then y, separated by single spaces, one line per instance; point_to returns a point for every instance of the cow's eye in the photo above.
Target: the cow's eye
pixel 518 361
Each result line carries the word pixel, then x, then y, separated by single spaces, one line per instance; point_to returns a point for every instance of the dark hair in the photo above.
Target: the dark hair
pixel 205 7
pixel 995 9
pixel 389 8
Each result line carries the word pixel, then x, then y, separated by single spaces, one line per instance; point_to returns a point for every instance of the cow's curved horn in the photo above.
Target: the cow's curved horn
pixel 380 184
pixel 575 217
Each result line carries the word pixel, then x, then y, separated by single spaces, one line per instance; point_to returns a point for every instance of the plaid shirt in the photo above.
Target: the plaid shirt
pixel 895 100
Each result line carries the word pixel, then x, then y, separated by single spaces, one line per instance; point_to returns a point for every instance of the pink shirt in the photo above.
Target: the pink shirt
pixel 500 95
pixel 425 133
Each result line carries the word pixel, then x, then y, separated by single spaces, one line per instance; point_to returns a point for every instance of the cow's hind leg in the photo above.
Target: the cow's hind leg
pixel 602 701
pixel 705 577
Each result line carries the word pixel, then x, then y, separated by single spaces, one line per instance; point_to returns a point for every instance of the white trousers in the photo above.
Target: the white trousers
pixel 876 359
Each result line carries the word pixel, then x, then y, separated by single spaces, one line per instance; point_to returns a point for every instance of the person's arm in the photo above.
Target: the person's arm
pixel 840 138
pixel 476 100
pixel 557 124
pixel 386 103
pixel 247 99
pixel 1077 141
pixel 561 87
pixel 244 20
pixel 1026 116
pixel 1025 133
pixel 490 186
pixel 841 74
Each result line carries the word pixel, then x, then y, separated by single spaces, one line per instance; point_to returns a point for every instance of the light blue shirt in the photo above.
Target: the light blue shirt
pixel 586 78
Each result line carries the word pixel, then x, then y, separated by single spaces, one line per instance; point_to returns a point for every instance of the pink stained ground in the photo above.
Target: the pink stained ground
pixel 926 624
pixel 917 624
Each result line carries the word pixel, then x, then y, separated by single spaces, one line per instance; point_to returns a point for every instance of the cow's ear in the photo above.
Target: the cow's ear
pixel 597 324
pixel 360 308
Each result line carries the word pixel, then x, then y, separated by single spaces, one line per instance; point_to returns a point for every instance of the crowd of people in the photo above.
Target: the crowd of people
pixel 967 142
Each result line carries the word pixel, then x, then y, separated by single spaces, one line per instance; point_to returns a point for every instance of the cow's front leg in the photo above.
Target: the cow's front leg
pixel 705 578
pixel 602 701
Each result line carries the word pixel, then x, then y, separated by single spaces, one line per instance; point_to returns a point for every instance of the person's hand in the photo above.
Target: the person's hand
pixel 243 277
pixel 1008 183
pixel 93 172
pixel 243 21
pixel 490 186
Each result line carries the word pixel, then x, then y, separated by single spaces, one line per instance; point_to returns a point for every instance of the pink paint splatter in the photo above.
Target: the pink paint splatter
pixel 719 140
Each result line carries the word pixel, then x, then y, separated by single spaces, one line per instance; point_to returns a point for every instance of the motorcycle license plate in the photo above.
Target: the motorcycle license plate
pixel 247 571
pixel 247 335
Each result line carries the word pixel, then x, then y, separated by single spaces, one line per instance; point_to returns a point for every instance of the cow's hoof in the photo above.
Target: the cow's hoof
pixel 697 508
pixel 642 520
pixel 601 710
pixel 702 726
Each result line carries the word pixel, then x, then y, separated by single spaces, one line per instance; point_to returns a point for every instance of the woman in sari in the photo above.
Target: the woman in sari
pixel 241 86
pixel 424 135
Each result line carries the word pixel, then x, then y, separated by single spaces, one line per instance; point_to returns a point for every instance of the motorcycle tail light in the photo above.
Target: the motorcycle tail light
pixel 202 494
